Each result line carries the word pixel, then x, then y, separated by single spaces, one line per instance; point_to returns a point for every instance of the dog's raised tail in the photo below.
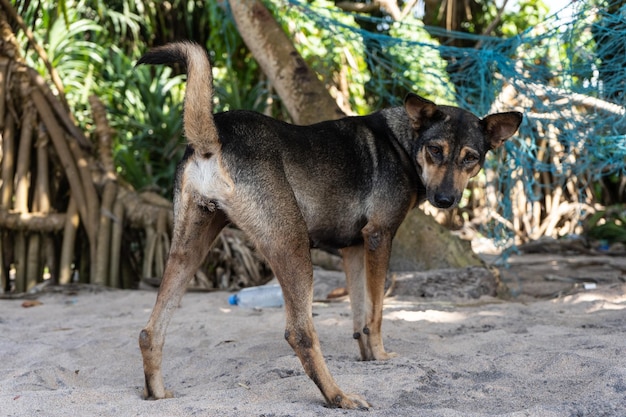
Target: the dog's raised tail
pixel 199 126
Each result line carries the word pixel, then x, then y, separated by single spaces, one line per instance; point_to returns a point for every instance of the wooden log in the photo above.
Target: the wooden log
pixel 33 267
pixel 112 210
pixel 22 177
pixel 4 270
pixel 8 162
pixel 41 203
pixel 64 117
pixel 117 233
pixel 148 253
pixel 100 277
pixel 4 70
pixel 69 164
pixel 37 222
pixel 51 257
pixel 7 166
pixel 42 182
pixel 93 200
pixel 19 254
pixel 70 226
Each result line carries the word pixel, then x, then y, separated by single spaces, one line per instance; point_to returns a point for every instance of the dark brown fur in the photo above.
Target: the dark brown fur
pixel 344 185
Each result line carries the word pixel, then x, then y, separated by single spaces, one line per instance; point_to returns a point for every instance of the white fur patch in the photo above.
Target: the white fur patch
pixel 208 179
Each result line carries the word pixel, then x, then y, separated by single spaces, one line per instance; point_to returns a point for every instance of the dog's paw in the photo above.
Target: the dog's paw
pixel 350 402
pixel 151 397
pixel 383 356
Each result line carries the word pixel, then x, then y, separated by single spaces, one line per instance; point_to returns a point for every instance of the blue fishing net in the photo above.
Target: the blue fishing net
pixel 566 74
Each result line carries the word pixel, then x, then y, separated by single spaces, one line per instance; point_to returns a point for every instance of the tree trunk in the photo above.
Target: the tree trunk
pixel 421 242
pixel 303 94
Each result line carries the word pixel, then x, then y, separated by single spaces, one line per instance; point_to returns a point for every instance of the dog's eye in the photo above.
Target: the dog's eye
pixel 434 150
pixel 470 158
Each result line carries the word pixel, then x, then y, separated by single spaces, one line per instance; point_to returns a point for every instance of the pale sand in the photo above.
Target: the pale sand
pixel 77 355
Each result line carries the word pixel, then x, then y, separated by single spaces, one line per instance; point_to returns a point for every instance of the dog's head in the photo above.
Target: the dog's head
pixel 451 145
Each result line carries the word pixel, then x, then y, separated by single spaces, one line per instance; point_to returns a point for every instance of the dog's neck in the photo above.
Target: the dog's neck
pixel 407 140
pixel 400 125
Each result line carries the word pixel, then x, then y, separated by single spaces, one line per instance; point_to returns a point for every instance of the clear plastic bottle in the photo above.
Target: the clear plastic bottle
pixel 258 297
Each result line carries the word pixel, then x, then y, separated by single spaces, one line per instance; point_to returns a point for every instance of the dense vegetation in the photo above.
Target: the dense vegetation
pixel 94 45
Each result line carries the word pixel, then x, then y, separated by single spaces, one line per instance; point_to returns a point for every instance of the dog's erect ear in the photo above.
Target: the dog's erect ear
pixel 501 126
pixel 419 109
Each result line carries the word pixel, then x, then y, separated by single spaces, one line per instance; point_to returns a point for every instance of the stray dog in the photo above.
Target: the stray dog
pixel 345 184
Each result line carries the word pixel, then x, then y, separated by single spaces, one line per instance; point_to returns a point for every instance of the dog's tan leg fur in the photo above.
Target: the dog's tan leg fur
pixel 284 242
pixel 366 271
pixel 377 253
pixel 354 266
pixel 299 330
pixel 194 231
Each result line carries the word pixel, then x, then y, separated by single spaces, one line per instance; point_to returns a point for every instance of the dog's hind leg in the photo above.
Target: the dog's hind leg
pixel 195 230
pixel 366 270
pixel 296 276
pixel 284 241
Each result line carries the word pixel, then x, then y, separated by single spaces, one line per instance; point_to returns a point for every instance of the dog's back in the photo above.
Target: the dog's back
pixel 352 166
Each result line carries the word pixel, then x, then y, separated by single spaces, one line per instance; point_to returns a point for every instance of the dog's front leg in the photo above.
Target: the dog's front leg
pixel 194 231
pixel 354 267
pixel 371 292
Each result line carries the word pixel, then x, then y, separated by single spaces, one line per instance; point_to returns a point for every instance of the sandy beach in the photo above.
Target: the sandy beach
pixel 76 354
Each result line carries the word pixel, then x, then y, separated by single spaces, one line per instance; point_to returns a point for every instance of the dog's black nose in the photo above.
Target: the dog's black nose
pixel 443 201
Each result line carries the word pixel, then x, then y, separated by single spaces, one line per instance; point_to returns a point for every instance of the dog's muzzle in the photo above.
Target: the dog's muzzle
pixel 443 201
